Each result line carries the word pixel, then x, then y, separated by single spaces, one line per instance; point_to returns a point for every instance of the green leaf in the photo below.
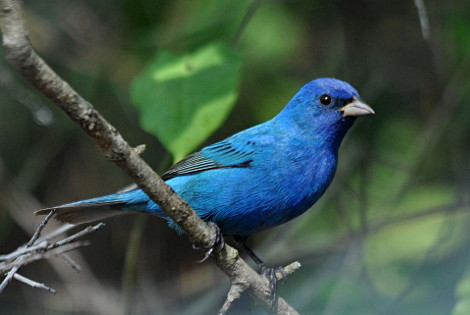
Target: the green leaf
pixel 182 99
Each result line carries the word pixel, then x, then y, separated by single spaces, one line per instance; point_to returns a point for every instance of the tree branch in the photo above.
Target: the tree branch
pixel 19 52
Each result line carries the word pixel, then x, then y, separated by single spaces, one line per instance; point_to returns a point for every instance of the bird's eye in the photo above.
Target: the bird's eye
pixel 325 99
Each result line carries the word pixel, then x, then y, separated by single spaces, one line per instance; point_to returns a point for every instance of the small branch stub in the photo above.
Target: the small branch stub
pixel 140 149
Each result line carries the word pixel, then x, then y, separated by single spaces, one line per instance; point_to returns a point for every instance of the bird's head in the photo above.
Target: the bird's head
pixel 326 107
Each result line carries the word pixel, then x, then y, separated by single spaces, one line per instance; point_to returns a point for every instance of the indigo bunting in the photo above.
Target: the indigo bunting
pixel 258 178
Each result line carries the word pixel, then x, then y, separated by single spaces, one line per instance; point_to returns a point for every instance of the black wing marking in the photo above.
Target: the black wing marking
pixel 192 164
pixel 206 160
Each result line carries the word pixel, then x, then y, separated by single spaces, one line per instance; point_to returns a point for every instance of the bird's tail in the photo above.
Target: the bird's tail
pixel 78 214
pixel 97 209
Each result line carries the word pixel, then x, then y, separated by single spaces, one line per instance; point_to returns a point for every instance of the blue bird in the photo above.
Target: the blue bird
pixel 258 178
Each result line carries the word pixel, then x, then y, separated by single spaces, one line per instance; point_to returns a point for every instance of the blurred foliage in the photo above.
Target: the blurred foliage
pixel 389 236
pixel 182 99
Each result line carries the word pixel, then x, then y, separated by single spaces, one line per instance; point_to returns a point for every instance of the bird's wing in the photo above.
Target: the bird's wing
pixel 219 155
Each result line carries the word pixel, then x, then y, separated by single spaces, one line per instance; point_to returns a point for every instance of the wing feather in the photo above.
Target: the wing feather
pixel 219 155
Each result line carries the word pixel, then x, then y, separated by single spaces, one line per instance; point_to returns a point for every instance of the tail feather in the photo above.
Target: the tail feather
pixel 83 213
pixel 103 207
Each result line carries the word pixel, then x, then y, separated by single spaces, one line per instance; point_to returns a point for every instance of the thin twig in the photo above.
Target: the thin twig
pixel 74 237
pixel 20 259
pixel 57 232
pixel 31 252
pixel 46 246
pixel 84 288
pixel 43 254
pixel 23 250
pixel 8 278
pixel 33 283
pixel 40 228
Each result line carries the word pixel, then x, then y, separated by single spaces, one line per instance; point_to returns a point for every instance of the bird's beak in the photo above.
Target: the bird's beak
pixel 356 108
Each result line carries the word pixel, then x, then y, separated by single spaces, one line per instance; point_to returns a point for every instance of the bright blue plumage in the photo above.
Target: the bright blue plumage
pixel 258 178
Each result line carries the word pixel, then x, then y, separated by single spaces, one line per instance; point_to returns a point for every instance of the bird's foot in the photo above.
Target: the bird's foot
pixel 274 275
pixel 218 243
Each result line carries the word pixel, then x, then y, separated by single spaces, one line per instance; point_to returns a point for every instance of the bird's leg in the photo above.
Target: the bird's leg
pixel 268 272
pixel 218 244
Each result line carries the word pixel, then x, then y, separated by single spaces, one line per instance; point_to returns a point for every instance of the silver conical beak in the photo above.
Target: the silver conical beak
pixel 356 108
